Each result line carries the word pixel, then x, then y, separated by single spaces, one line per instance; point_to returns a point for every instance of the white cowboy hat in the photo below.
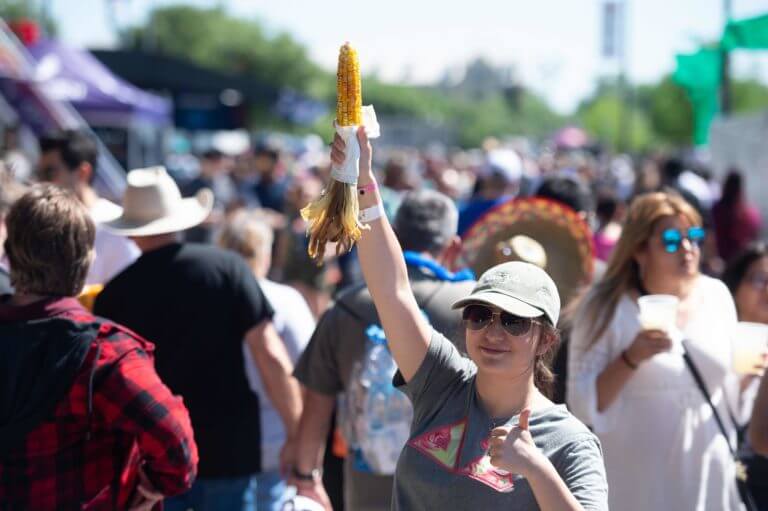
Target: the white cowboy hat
pixel 152 205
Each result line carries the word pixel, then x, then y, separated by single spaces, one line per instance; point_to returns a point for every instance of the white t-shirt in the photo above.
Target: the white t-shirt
pixel 113 253
pixel 294 323
pixel 662 447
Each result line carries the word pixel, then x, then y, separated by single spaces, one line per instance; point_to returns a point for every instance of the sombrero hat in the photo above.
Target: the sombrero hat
pixel 535 230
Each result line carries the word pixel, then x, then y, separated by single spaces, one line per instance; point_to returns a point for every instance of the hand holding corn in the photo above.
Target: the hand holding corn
pixel 333 217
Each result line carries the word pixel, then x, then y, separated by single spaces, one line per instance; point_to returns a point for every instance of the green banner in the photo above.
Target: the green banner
pixel 699 75
pixel 748 34
pixel 700 70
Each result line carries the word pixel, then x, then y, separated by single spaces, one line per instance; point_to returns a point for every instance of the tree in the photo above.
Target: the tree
pixel 217 40
pixel 749 96
pixel 603 116
pixel 661 113
pixel 668 110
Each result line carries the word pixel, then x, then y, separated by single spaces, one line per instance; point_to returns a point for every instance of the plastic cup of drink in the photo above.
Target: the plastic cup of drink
pixel 658 312
pixel 750 341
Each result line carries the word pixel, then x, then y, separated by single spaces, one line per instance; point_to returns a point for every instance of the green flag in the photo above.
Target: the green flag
pixel 699 75
pixel 700 70
pixel 750 34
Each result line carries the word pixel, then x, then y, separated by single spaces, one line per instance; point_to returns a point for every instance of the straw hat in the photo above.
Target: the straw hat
pixel 152 205
pixel 538 231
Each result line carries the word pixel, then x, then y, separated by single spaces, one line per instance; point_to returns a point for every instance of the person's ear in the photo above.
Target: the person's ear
pixel 546 340
pixel 85 173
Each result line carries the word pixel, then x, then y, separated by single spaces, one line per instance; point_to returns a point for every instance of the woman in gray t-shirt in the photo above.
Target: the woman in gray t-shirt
pixel 483 434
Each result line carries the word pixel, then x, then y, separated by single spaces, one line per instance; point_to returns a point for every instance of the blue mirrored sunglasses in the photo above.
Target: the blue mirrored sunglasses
pixel 673 238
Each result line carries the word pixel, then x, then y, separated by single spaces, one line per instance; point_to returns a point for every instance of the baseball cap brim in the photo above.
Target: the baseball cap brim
pixel 502 301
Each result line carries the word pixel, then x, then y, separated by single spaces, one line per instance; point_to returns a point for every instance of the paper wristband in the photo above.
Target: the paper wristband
pixel 371 214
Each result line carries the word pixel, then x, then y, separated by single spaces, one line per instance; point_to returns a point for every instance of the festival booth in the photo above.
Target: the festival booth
pixel 130 121
pixel 203 99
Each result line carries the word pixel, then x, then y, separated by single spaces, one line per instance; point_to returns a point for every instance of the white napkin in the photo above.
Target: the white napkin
pixel 350 169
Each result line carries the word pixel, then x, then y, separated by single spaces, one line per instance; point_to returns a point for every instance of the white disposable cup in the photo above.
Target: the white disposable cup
pixel 658 312
pixel 750 341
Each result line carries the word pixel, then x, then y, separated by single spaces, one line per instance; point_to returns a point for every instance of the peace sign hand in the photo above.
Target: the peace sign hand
pixel 512 448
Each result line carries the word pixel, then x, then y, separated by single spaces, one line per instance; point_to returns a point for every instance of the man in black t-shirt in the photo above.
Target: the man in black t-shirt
pixel 198 303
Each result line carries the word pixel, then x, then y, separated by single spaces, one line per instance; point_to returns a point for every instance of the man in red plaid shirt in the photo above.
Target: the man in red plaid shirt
pixel 85 422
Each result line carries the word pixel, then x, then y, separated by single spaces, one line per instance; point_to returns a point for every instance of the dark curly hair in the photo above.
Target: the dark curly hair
pixel 737 267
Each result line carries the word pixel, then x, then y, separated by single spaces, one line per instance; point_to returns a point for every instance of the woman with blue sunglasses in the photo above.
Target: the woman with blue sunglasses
pixel 663 449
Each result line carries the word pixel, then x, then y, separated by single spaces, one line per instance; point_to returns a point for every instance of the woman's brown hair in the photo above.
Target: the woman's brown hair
pixel 543 376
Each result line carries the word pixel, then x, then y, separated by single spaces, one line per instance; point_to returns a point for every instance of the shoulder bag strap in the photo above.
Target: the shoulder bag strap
pixel 741 476
pixel 703 388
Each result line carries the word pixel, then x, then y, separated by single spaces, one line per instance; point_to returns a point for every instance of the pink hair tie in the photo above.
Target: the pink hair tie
pixel 367 189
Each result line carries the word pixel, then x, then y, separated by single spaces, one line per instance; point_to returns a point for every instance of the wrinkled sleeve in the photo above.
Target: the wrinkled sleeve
pixel 586 361
pixel 300 328
pixel 318 367
pixel 132 399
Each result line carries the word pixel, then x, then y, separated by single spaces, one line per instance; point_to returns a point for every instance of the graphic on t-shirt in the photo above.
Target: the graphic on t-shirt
pixel 482 470
pixel 443 446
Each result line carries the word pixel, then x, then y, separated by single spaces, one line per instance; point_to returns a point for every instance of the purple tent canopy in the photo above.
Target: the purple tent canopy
pixel 76 76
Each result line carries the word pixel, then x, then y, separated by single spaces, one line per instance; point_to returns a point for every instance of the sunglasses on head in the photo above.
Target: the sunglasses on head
pixel 673 238
pixel 477 317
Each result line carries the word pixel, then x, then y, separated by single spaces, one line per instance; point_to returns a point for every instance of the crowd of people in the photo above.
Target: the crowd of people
pixel 181 349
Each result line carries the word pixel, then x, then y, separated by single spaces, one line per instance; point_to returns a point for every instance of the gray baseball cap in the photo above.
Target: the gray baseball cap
pixel 522 289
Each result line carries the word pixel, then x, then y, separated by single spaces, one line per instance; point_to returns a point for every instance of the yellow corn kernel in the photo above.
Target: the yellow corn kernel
pixel 349 100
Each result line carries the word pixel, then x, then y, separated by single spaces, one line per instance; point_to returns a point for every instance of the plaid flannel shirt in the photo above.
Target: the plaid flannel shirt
pixel 81 460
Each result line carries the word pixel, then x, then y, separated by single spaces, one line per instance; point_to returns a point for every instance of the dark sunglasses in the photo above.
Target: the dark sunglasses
pixel 673 238
pixel 477 317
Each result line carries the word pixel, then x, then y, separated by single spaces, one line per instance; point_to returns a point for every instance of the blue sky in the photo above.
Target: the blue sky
pixel 553 45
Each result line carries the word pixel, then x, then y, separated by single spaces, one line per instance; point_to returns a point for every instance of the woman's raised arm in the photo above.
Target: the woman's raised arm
pixel 381 258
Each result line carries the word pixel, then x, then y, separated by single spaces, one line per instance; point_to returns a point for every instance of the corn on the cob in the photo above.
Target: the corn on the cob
pixel 349 101
pixel 333 216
